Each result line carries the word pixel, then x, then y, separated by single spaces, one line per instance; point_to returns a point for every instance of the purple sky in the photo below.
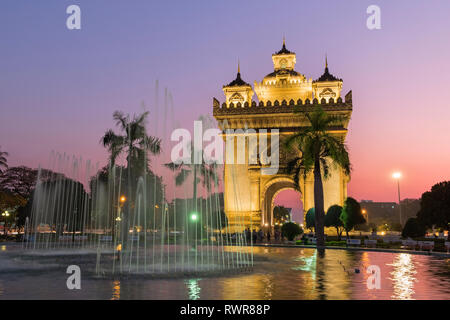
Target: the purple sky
pixel 59 87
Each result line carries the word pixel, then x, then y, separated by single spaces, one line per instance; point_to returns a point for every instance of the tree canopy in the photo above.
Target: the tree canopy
pixel 280 214
pixel 290 230
pixel 351 214
pixel 22 180
pixel 310 219
pixel 10 201
pixel 333 219
pixel 413 229
pixel 3 160
pixel 435 206
pixel 134 142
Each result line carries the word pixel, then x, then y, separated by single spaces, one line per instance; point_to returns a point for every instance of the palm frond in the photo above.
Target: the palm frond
pixel 182 176
pixel 111 138
pixel 152 144
pixel 121 120
pixel 173 166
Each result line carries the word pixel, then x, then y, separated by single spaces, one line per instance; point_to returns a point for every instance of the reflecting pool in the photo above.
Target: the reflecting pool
pixel 278 273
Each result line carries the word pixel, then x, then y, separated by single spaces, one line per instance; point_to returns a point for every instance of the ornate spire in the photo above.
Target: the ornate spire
pixel 327 76
pixel 283 48
pixel 238 81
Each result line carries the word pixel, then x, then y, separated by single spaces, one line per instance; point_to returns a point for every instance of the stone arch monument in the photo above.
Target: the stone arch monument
pixel 248 190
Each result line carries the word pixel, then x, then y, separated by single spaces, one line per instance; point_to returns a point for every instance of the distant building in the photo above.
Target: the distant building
pixel 388 212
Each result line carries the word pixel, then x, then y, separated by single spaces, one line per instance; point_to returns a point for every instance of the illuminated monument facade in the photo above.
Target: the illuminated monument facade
pixel 248 192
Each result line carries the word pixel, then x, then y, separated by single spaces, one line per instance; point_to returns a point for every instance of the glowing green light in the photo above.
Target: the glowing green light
pixel 194 216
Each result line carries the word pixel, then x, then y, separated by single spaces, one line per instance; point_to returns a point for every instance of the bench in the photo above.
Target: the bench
pixel 426 245
pixel 74 238
pixel 106 238
pixel 30 238
pixel 447 245
pixel 409 244
pixel 370 243
pixel 355 242
pixel 392 240
pixel 65 238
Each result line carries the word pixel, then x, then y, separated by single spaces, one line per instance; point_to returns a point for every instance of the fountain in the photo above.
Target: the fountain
pixel 122 228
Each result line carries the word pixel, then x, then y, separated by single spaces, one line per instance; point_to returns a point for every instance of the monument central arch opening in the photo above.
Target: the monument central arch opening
pixel 273 189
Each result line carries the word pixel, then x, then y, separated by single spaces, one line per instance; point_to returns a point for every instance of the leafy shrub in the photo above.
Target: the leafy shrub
pixel 290 230
pixel 413 229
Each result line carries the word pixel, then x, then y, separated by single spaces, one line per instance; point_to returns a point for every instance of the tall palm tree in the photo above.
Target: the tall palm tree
pixel 135 144
pixel 316 146
pixel 3 160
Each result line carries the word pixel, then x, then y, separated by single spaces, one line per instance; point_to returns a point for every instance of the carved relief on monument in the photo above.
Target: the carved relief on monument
pixel 327 93
pixel 236 97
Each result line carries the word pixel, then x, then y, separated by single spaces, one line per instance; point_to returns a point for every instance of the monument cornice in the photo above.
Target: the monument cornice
pixel 226 111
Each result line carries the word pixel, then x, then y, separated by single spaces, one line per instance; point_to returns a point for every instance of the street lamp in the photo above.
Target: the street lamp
pixel 118 219
pixel 365 215
pixel 194 216
pixel 5 215
pixel 397 176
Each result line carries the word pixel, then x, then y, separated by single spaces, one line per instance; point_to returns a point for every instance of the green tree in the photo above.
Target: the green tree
pixel 22 180
pixel 435 206
pixel 61 203
pixel 413 229
pixel 310 219
pixel 290 230
pixel 333 219
pixel 9 202
pixel 3 160
pixel 280 214
pixel 317 148
pixel 351 215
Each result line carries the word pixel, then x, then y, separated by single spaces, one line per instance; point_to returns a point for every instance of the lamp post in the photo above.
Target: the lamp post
pixel 364 212
pixel 118 219
pixel 194 216
pixel 397 176
pixel 5 215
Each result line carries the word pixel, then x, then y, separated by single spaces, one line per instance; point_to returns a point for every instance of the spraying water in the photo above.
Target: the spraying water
pixel 120 220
